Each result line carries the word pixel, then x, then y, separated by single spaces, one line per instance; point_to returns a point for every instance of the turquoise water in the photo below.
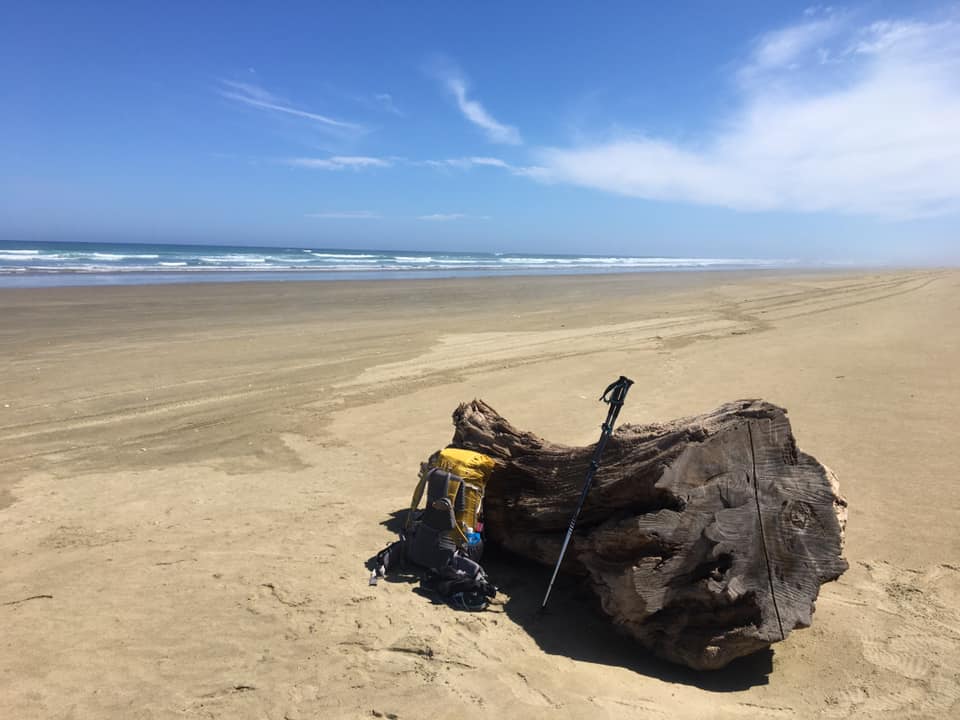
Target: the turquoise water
pixel 24 264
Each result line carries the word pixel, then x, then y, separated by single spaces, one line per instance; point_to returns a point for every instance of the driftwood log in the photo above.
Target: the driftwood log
pixel 706 538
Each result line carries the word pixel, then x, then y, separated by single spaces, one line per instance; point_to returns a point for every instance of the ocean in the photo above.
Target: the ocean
pixel 25 264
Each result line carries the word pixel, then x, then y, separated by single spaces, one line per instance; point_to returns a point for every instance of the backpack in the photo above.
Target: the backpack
pixel 460 475
pixel 444 538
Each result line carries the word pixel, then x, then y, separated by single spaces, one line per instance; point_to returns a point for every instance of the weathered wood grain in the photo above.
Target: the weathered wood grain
pixel 706 538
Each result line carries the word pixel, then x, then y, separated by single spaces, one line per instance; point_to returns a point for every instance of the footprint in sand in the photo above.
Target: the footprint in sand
pixel 920 648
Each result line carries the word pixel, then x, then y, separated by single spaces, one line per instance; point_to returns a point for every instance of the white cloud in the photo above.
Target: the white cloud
pixel 442 217
pixel 476 113
pixel 469 162
pixel 385 102
pixel 378 102
pixel 345 215
pixel 339 162
pixel 359 162
pixel 447 217
pixel 875 132
pixel 466 163
pixel 256 96
pixel 787 47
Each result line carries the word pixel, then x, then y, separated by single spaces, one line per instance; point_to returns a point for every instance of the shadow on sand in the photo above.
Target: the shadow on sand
pixel 573 627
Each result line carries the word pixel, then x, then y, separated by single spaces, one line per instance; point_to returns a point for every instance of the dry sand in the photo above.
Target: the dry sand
pixel 193 476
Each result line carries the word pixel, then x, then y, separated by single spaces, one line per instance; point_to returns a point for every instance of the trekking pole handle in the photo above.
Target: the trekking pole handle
pixel 616 391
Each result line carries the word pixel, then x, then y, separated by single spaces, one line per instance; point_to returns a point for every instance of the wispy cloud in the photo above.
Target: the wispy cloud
pixel 833 117
pixel 362 162
pixel 257 97
pixel 345 215
pixel 378 102
pixel 788 48
pixel 484 161
pixel 447 217
pixel 340 162
pixel 442 217
pixel 466 163
pixel 456 84
pixel 385 102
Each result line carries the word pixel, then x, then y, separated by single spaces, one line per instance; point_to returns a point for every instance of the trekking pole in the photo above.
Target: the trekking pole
pixel 614 396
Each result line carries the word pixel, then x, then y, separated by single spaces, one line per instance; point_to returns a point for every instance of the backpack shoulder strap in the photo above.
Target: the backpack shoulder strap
pixel 415 500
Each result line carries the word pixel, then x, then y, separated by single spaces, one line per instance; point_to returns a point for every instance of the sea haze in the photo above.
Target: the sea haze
pixel 45 264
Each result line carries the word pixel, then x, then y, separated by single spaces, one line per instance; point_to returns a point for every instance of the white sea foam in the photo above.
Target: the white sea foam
pixel 348 256
pixel 118 256
pixel 334 261
pixel 15 256
pixel 234 259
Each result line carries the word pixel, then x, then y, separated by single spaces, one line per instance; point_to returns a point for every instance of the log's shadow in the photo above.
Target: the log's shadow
pixel 572 626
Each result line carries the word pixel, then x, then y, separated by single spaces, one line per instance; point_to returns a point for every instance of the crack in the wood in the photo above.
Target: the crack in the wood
pixel 763 539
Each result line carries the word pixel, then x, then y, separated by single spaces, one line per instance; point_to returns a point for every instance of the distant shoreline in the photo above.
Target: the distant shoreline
pixel 38 264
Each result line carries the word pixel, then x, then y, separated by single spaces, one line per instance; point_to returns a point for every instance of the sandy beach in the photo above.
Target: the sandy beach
pixel 192 477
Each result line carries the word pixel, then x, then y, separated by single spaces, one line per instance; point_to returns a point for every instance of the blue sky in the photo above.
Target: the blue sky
pixel 713 129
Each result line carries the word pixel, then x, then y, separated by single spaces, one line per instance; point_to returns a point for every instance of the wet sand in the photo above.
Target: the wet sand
pixel 192 477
